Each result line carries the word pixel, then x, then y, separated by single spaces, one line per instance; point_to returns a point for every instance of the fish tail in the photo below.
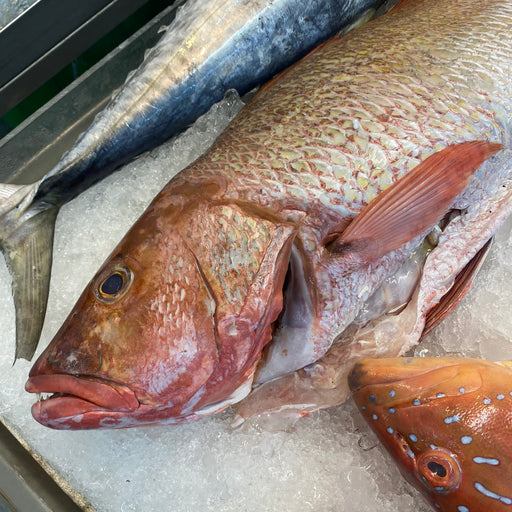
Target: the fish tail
pixel 26 240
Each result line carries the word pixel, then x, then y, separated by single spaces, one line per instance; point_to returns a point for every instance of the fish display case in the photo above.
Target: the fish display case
pixel 48 35
pixel 328 461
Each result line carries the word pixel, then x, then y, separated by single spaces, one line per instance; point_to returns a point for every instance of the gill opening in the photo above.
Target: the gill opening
pixel 212 297
pixel 298 310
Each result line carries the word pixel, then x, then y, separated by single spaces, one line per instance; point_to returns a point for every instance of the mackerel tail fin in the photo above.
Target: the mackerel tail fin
pixel 26 240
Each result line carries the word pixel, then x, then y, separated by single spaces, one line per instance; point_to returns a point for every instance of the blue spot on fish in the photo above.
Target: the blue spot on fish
pixel 391 410
pixel 416 401
pixel 485 460
pixel 462 390
pixel 433 446
pixel 410 453
pixel 466 439
pixel 372 398
pixel 413 438
pixel 486 492
pixel 390 430
pixel 363 407
pixel 462 508
pixel 437 505
pixel 452 419
pixel 487 401
pixel 392 393
pixel 500 397
pixel 375 417
pixel 440 395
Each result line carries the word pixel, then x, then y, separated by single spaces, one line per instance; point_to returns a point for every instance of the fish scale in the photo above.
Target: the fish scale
pixel 344 198
pixel 425 102
pixel 228 270
pixel 424 130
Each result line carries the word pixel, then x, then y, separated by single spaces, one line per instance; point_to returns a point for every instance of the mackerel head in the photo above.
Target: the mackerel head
pixel 263 269
pixel 447 422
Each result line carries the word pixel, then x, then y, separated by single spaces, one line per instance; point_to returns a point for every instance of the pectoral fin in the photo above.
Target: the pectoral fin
pixel 26 240
pixel 413 204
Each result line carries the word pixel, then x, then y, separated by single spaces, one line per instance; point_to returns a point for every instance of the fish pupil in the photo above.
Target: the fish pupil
pixel 112 284
pixel 437 469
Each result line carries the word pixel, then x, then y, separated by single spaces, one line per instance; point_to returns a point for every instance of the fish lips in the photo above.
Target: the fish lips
pixel 80 401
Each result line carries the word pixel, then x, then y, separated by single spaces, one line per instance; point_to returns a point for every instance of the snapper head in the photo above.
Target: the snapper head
pixel 172 325
pixel 447 422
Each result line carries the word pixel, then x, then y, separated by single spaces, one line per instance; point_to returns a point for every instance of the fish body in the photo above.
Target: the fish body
pixel 447 422
pixel 211 47
pixel 264 257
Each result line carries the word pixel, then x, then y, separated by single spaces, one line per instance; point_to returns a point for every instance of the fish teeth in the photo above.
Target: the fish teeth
pixel 41 397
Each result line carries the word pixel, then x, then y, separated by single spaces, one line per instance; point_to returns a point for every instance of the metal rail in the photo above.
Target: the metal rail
pixel 47 37
pixel 24 485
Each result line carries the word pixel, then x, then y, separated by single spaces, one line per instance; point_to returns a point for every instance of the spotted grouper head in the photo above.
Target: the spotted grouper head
pixel 172 326
pixel 448 424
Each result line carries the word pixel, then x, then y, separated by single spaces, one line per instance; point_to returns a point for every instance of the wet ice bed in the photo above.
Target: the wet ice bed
pixel 329 461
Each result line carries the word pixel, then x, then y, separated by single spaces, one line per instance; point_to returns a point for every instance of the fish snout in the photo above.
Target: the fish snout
pixel 75 362
pixel 79 402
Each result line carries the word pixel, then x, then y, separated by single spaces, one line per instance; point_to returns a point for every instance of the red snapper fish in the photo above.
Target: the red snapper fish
pixel 333 218
pixel 447 422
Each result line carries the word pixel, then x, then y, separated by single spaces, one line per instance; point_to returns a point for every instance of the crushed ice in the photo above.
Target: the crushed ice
pixel 329 461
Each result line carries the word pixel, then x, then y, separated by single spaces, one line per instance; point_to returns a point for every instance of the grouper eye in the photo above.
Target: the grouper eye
pixel 439 469
pixel 113 284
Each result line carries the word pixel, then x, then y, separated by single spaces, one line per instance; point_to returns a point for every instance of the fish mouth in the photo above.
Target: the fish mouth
pixel 74 398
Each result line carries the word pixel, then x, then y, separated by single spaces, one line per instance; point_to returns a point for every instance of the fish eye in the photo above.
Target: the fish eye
pixel 439 469
pixel 113 284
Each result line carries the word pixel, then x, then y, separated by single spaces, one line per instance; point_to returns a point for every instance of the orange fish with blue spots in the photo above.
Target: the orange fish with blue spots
pixel 448 424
